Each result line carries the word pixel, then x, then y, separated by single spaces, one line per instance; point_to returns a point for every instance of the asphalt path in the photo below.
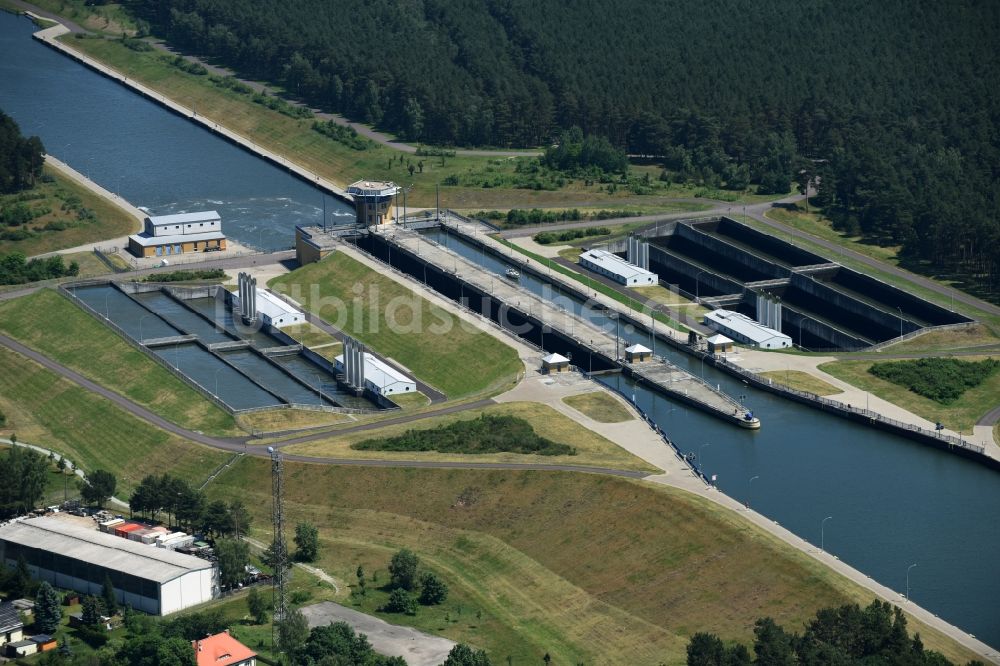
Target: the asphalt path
pixel 242 444
pixel 716 209
pixel 757 213
pixel 990 418
pixel 241 261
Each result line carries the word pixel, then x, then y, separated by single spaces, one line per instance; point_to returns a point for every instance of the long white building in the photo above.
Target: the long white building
pixel 381 377
pixel 277 312
pixel 71 556
pixel 743 329
pixel 612 266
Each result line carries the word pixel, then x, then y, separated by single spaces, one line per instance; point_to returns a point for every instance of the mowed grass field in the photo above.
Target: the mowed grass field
pixel 959 416
pixel 599 406
pixel 428 340
pixel 52 412
pixel 56 192
pixel 801 381
pixel 588 568
pixel 592 449
pixel 52 325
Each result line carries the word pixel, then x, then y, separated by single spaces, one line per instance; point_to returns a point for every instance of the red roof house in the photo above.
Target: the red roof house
pixel 223 650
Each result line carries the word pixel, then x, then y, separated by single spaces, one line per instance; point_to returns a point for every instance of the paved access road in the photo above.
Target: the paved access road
pixel 242 444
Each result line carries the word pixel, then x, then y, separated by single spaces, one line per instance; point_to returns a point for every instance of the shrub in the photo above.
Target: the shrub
pixel 400 601
pixel 943 380
pixel 342 134
pixel 548 237
pixel 486 434
pixel 187 276
pixel 137 45
pixel 433 590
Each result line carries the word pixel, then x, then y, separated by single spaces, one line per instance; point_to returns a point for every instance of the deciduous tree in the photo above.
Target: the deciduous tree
pixel 306 542
pixel 98 487
pixel 403 569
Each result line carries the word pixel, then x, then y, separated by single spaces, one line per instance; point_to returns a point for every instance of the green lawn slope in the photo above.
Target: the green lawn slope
pixel 48 411
pixel 432 342
pixel 588 568
pixel 52 325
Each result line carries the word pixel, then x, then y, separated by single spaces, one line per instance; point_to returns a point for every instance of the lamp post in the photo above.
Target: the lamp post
pixel 106 310
pixel 149 314
pixel 900 321
pixel 217 371
pixel 750 488
pixel 697 286
pixel 908 581
pixel 319 387
pixel 700 452
pixel 822 533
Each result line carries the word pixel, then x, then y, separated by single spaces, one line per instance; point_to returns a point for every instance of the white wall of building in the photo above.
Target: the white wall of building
pixel 284 320
pixel 190 589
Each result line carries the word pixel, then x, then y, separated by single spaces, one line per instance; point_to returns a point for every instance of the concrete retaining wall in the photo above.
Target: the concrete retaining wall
pixel 864 318
pixel 895 298
pixel 674 269
pixel 737 261
pixel 794 256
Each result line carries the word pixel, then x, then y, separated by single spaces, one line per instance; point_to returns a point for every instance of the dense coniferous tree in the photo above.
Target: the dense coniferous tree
pixel 890 105
pixel 48 611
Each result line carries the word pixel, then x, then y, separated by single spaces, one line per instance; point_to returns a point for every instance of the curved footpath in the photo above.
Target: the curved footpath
pixel 675 479
pixel 241 444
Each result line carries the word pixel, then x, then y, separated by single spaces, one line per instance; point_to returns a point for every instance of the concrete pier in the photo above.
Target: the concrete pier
pixel 558 320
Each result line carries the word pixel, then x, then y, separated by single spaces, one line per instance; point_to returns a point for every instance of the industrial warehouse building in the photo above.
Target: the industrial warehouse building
pixel 167 235
pixel 611 265
pixel 743 329
pixel 380 377
pixel 71 556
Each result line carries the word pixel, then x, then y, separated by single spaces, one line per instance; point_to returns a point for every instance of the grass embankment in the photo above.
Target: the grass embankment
pixel 813 222
pixel 959 416
pixel 431 342
pixel 483 182
pixel 801 381
pixel 599 406
pixel 488 433
pixel 91 431
pixel 974 336
pixel 591 448
pixel 280 420
pixel 309 335
pixel 593 285
pixel 410 400
pixel 52 325
pixel 590 569
pixel 993 321
pixel 68 215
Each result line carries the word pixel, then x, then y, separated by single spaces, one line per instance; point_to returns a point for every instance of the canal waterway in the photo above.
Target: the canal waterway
pixel 893 502
pixel 150 156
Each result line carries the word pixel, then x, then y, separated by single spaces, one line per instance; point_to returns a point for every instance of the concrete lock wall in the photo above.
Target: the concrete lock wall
pixel 776 247
pixel 674 269
pixel 728 258
pixel 834 337
pixel 866 319
pixel 892 297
